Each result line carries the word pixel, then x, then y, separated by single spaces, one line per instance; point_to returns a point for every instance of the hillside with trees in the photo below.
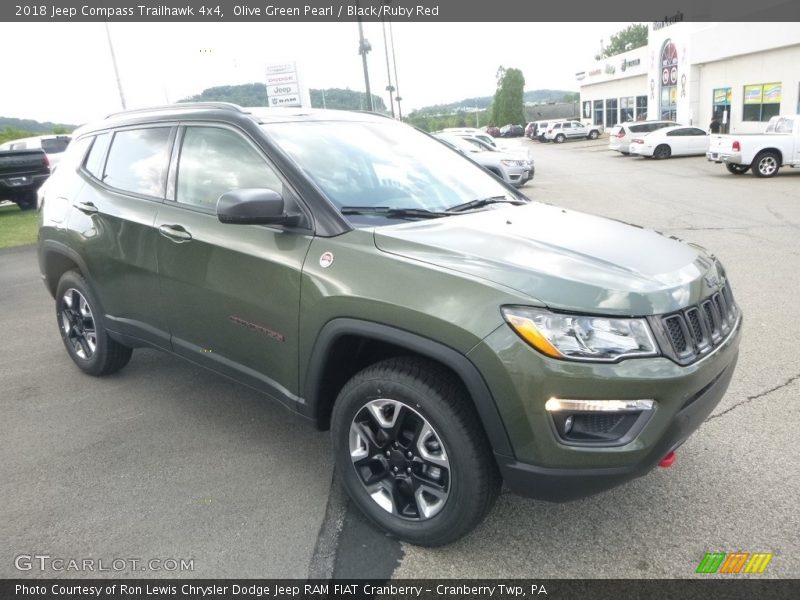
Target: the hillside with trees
pixel 14 129
pixel 255 94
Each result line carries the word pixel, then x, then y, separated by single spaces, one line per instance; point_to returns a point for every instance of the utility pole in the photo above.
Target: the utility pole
pixel 363 48
pixel 116 70
pixel 396 79
pixel 390 87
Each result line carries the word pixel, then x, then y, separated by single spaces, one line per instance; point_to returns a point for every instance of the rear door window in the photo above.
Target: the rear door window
pixel 138 159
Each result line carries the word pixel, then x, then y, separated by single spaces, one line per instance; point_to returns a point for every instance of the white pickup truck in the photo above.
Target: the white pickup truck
pixel 763 153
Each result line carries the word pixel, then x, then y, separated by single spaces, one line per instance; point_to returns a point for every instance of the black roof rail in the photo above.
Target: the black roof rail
pixel 218 105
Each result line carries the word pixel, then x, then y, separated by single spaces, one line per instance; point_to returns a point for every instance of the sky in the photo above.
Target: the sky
pixel 63 71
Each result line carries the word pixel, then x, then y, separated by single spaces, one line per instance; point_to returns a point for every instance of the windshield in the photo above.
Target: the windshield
pixel 386 164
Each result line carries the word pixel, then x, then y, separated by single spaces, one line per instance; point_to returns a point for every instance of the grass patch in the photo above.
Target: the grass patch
pixel 17 227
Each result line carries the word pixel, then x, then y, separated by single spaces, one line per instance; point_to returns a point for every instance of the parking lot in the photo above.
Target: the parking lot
pixel 164 460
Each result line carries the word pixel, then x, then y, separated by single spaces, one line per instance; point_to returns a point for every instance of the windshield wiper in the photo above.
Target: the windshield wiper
pixel 483 202
pixel 387 211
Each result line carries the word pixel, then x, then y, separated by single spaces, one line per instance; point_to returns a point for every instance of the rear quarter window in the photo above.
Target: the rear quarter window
pixel 97 155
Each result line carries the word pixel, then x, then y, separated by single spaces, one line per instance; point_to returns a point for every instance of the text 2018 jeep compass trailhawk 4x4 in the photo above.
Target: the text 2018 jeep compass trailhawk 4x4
pixel 449 331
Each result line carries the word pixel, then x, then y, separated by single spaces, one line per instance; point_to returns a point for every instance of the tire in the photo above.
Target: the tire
pixel 661 152
pixel 79 320
pixel 27 201
pixel 542 139
pixel 766 164
pixel 593 134
pixel 409 406
pixel 560 138
pixel 737 169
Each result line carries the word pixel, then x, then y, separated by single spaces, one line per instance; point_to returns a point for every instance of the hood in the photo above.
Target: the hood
pixel 563 259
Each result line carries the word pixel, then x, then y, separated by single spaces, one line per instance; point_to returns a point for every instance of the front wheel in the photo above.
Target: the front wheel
pixel 80 323
pixel 560 138
pixel 766 164
pixel 411 452
pixel 593 135
pixel 736 169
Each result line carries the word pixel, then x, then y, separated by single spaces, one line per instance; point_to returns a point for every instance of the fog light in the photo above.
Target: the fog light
pixel 599 422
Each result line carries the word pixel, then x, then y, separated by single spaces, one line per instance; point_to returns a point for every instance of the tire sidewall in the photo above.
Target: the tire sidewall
pixel 757 164
pixel 428 531
pixel 94 364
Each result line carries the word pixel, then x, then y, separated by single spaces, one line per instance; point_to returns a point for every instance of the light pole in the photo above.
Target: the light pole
pixel 116 70
pixel 363 48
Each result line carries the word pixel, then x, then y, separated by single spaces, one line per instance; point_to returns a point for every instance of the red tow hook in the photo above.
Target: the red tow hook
pixel 668 460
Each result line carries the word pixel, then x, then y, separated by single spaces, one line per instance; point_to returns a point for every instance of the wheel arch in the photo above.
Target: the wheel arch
pixel 771 150
pixel 345 346
pixel 55 259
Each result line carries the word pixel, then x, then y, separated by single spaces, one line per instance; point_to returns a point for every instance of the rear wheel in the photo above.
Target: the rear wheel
pixel 736 169
pixel 766 164
pixel 80 324
pixel 411 452
pixel 662 151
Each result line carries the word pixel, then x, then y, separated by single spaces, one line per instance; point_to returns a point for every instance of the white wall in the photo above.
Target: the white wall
pixel 779 65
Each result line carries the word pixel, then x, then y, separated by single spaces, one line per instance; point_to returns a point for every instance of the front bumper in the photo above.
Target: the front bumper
pixel 547 468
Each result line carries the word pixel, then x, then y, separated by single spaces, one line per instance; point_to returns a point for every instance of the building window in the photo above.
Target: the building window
pixel 612 117
pixel 761 101
pixel 626 109
pixel 641 108
pixel 669 81
pixel 598 112
pixel 721 108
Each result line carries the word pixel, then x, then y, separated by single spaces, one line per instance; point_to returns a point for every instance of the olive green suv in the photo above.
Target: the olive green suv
pixel 450 332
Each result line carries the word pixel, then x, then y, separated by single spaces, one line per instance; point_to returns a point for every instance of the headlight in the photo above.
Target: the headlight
pixel 577 337
pixel 513 163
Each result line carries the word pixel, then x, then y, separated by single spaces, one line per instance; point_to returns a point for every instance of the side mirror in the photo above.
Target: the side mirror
pixel 253 206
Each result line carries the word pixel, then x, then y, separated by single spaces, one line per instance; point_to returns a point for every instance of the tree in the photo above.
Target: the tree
pixel 508 102
pixel 633 36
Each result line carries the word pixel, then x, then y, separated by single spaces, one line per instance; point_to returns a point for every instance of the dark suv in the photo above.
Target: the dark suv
pixel 449 331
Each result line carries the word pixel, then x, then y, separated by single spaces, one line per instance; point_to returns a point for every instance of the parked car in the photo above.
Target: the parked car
pixel 540 128
pixel 562 131
pixel 22 172
pixel 620 137
pixel 513 169
pixel 763 153
pixel 511 130
pixel 671 141
pixel 472 132
pixel 530 129
pixel 492 131
pixel 450 332
pixel 53 145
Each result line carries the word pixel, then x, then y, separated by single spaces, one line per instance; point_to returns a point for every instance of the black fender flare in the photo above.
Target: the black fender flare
pixel 453 359
pixel 49 247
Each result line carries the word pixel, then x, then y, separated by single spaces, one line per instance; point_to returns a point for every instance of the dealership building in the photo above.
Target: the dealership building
pixel 739 73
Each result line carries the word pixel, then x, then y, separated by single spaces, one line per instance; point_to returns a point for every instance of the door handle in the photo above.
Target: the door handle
pixel 176 233
pixel 86 207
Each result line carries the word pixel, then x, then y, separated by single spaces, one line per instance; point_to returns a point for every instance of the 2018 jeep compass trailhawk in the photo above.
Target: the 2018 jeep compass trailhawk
pixel 449 331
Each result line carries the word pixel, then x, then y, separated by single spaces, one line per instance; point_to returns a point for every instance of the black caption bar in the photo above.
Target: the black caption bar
pixel 406 589
pixel 398 10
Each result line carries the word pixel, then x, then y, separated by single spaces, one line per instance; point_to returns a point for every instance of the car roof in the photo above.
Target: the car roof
pixel 228 111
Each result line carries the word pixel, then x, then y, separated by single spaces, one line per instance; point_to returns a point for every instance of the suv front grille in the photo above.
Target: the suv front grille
pixel 693 332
